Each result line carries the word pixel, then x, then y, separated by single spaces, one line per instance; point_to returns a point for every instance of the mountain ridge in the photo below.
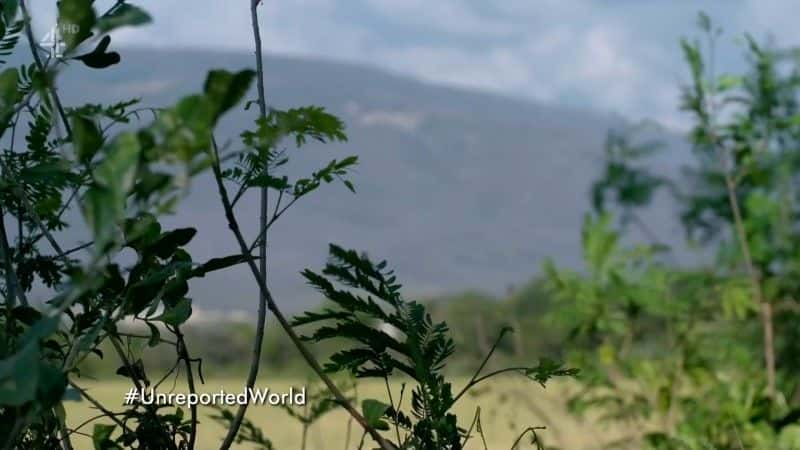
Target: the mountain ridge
pixel 458 189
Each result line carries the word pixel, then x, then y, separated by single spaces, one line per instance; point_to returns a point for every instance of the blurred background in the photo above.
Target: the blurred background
pixel 480 126
pixel 481 130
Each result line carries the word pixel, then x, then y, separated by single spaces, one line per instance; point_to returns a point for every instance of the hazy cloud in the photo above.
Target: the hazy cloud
pixel 619 56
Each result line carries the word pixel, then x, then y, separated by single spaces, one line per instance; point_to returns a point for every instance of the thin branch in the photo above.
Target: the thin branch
pixel 753 276
pixel 73 250
pixel 262 303
pixel 20 193
pixel 262 250
pixel 183 354
pixel 62 430
pixel 125 361
pixel 111 415
pixel 41 67
pixel 267 301
pixel 488 356
pixel 478 380
pixel 395 408
pixel 468 434
pixel 262 235
pixel 88 421
pixel 170 372
pixel 532 431
pixel 141 336
pixel 709 102
pixel 744 247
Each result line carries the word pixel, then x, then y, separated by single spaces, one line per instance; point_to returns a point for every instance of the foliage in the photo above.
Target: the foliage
pixel 122 180
pixel 390 335
pixel 121 183
pixel 677 351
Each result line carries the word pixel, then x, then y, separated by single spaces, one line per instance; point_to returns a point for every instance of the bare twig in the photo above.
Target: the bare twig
pixel 125 360
pixel 474 380
pixel 183 354
pixel 532 432
pixel 472 383
pixel 262 235
pixel 391 403
pixel 88 421
pixel 468 434
pixel 111 415
pixel 261 273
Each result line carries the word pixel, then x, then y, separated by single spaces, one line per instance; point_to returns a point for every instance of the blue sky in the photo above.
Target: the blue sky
pixel 617 56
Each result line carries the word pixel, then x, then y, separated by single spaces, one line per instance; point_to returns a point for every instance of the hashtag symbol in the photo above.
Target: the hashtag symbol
pixel 131 396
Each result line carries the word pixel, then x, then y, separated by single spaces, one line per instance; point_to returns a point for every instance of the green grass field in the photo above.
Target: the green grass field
pixel 508 406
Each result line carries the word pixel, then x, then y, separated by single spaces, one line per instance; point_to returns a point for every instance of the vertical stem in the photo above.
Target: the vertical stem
pixel 391 403
pixel 62 430
pixel 5 254
pixel 183 354
pixel 262 246
pixel 11 282
pixel 41 67
pixel 268 301
pixel 744 246
pixel 752 274
pixel 769 345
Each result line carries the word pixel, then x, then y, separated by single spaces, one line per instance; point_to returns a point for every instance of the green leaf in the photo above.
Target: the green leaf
pixel 51 386
pixel 155 335
pixel 373 411
pixel 88 138
pixel 664 399
pixel 142 231
pixel 75 21
pixel 9 95
pixel 178 314
pixel 196 111
pixel 547 369
pixel 26 314
pixel 118 169
pixel 124 15
pixel 219 263
pixel 53 172
pixel 226 89
pixel 169 242
pixel 727 82
pixel 100 209
pixel 19 375
pixel 104 203
pixel 737 299
pixel 789 437
pixel 10 10
pixel 101 437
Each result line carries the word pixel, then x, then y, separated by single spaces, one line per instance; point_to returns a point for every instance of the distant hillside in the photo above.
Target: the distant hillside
pixel 457 189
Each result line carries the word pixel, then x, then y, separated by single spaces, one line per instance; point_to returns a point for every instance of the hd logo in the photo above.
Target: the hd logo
pixel 53 41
